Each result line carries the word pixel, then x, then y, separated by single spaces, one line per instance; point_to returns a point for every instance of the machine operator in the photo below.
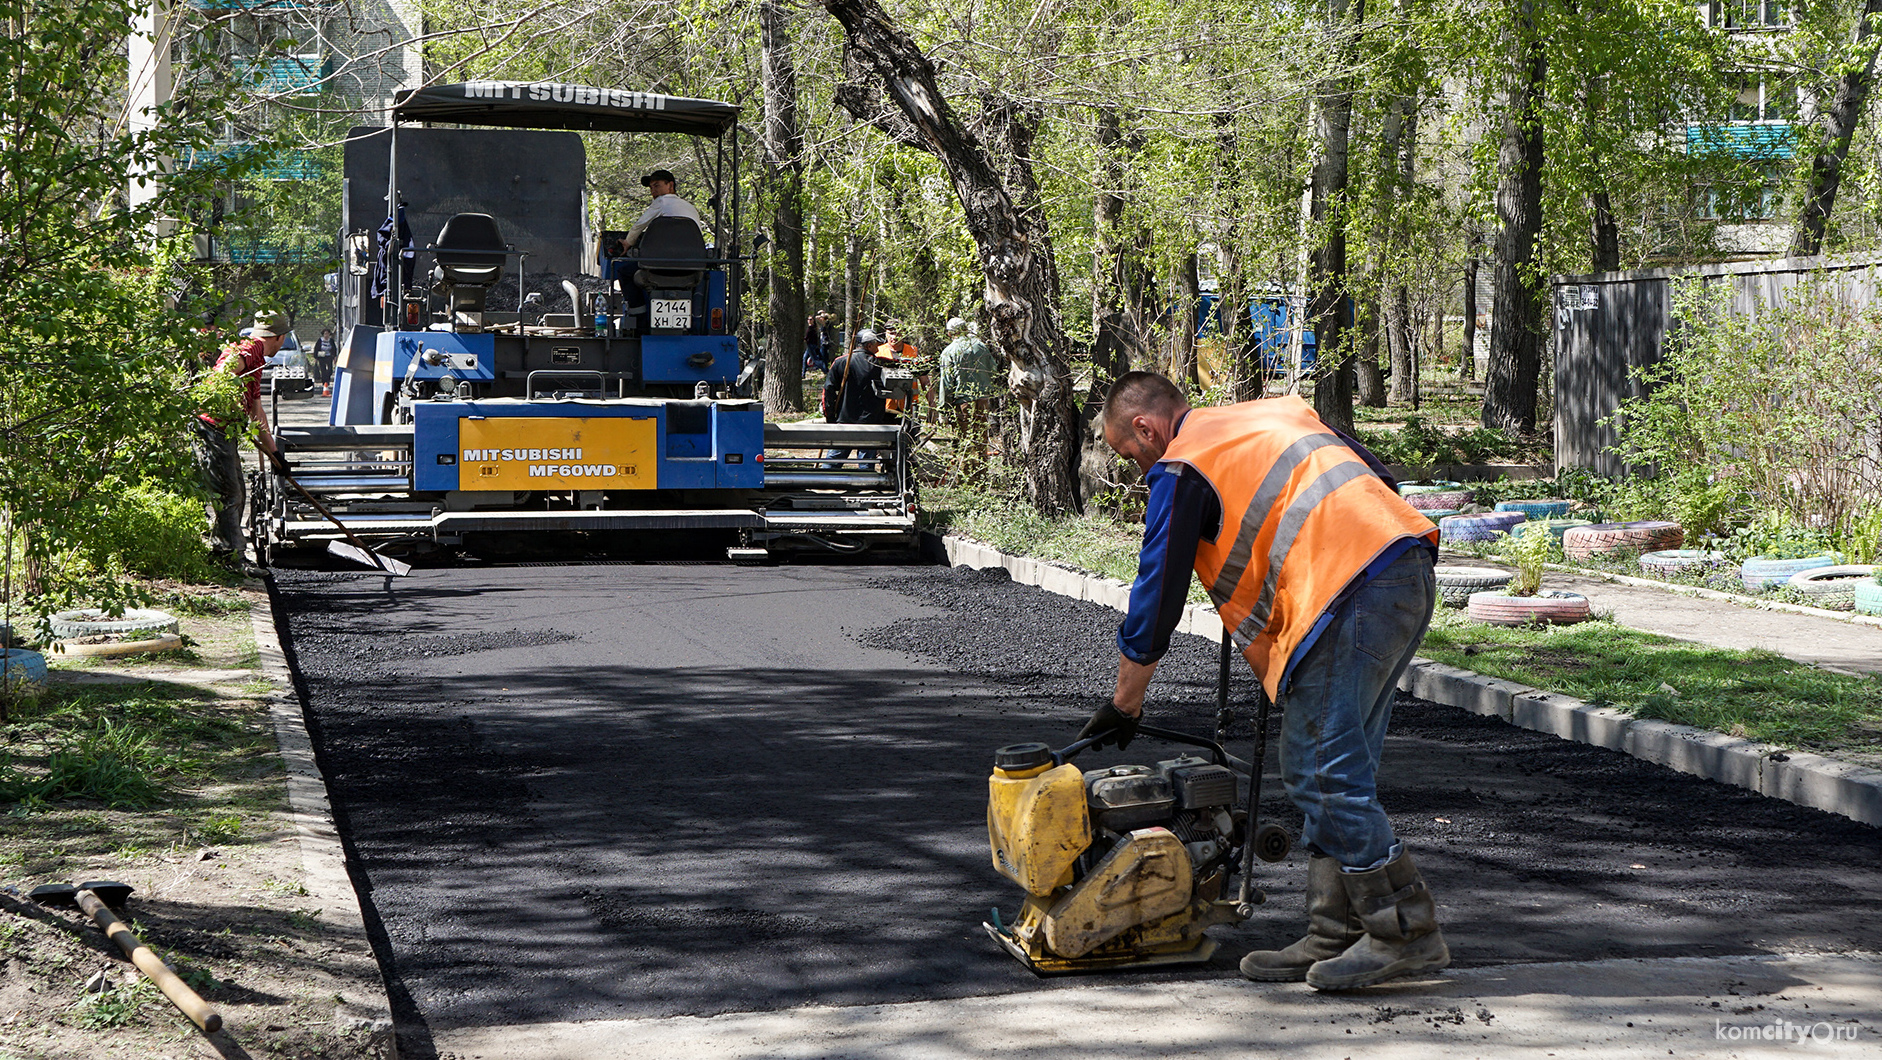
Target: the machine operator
pixel 1323 577
pixel 666 203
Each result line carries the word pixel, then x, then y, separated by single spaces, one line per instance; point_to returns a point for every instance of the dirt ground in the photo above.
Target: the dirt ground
pixel 218 876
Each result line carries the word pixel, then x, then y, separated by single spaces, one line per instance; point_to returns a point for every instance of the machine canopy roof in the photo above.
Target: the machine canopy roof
pixel 552 105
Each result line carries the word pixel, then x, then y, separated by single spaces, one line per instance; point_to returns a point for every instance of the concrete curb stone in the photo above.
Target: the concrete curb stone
pixel 1794 776
pixel 323 858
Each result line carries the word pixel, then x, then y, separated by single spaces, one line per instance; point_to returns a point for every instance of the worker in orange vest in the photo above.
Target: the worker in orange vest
pixel 1323 577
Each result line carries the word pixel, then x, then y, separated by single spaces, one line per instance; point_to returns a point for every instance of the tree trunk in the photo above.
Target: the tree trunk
pixel 1115 283
pixel 852 294
pixel 1183 323
pixel 1509 397
pixel 1834 126
pixel 999 200
pixel 1398 139
pixel 784 160
pixel 1333 111
pixel 1369 378
pixel 1469 363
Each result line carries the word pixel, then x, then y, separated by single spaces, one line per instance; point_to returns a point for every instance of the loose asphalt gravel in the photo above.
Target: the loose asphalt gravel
pixel 616 791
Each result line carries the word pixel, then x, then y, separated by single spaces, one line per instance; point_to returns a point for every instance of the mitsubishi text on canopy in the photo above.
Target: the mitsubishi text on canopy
pixel 554 105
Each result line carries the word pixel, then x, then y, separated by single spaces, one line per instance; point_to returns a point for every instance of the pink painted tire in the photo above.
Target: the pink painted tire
pixel 1438 500
pixel 1582 543
pixel 1547 607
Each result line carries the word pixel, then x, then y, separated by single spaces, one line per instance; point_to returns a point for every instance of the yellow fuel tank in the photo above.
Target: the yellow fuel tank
pixel 1037 823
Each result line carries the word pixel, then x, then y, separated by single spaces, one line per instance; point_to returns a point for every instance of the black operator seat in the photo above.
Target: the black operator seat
pixel 470 251
pixel 669 239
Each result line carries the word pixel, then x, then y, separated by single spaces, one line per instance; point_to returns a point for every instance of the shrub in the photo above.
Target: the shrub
pixel 1771 411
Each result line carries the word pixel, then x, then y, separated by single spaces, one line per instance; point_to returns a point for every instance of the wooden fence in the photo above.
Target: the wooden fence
pixel 1609 325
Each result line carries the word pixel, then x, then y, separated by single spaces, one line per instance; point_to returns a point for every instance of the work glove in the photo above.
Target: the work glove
pixel 1119 728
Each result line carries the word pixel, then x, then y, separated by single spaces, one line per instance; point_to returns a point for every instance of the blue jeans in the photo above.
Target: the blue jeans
pixel 1337 708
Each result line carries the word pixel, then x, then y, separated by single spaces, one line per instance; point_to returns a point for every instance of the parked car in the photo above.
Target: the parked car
pixel 289 370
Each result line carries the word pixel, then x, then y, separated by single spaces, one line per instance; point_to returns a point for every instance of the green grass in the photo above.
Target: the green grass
pixel 1096 543
pixel 126 750
pixel 1754 694
pixel 116 1007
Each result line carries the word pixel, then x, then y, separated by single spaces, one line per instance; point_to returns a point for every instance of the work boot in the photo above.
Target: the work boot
pixel 1332 926
pixel 1401 929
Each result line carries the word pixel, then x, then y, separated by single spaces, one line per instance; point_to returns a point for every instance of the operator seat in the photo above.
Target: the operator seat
pixel 469 256
pixel 671 239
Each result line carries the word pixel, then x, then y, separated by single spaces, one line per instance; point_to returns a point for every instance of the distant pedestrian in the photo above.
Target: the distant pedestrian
pixel 326 351
pixel 853 392
pixel 817 342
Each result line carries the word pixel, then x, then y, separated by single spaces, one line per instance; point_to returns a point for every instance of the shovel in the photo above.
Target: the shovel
pixel 93 896
pixel 357 550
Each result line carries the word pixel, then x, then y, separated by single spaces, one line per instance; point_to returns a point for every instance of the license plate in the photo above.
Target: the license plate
pixel 671 313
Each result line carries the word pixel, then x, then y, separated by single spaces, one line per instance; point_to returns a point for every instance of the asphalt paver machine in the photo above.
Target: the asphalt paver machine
pixel 470 410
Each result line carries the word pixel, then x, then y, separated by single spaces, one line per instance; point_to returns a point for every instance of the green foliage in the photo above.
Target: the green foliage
pixel 1424 448
pixel 121 749
pixel 1527 553
pixel 97 335
pixel 118 1006
pixel 1771 537
pixel 112 763
pixel 223 828
pixel 1769 413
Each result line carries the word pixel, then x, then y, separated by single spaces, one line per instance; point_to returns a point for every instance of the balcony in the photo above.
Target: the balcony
pixel 1764 141
pixel 284 165
pixel 271 248
pixel 286 75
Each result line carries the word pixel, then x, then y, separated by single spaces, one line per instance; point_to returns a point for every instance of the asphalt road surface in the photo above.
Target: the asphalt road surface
pixel 616 791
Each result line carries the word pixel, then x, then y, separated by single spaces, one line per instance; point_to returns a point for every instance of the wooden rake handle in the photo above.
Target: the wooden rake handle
pixel 186 1000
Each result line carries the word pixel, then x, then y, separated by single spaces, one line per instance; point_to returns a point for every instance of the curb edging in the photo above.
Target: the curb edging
pixel 1794 776
pixel 323 858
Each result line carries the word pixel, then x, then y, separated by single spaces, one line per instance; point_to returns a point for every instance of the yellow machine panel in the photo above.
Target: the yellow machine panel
pixel 1038 825
pixel 1142 880
pixel 558 453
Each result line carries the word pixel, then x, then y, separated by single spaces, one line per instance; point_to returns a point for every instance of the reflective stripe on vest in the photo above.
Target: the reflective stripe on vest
pixel 1285 482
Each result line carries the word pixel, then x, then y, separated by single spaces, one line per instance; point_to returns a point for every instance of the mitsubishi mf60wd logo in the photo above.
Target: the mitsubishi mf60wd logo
pixel 547 463
pixel 550 91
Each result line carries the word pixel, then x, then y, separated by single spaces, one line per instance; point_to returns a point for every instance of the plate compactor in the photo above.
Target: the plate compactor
pixel 1126 866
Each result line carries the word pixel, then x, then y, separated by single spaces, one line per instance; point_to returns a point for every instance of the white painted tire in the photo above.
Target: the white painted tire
pixel 1549 606
pixel 1762 573
pixel 1834 587
pixel 71 625
pixel 1456 584
pixel 1439 500
pixel 1680 560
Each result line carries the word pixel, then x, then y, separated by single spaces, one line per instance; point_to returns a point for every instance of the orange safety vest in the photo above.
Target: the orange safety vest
pixel 1302 515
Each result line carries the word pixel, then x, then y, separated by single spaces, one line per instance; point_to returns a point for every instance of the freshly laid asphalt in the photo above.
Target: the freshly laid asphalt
pixel 619 791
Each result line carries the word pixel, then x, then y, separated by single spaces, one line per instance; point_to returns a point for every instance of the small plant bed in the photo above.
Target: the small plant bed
pixel 1751 694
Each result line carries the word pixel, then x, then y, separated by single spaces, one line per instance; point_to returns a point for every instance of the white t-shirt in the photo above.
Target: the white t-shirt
pixel 664 206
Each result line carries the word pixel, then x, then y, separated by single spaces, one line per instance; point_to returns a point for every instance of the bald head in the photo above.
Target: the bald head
pixel 1141 416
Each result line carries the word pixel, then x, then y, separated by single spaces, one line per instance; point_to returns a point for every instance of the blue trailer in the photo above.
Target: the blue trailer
pixel 469 410
pixel 1267 328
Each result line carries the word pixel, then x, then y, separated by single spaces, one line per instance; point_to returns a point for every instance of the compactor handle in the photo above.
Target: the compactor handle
pixel 1222 757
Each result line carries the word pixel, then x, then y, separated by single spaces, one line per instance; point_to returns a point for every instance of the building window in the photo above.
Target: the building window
pixel 1747 14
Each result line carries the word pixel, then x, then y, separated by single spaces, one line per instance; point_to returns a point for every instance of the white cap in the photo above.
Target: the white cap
pixel 955 324
pixel 867 336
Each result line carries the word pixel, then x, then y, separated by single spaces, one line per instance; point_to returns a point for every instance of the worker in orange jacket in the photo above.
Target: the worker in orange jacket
pixel 1323 578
